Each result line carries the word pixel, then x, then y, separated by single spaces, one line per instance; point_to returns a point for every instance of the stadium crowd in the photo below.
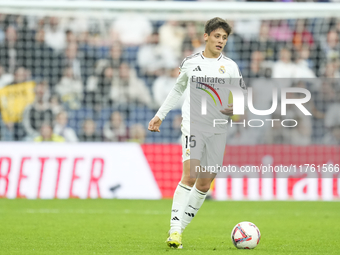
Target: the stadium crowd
pixel 103 80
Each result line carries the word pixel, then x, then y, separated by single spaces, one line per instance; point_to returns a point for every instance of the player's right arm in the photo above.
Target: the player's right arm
pixel 171 100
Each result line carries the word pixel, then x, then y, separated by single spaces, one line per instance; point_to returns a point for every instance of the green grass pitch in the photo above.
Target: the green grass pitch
pixel 140 227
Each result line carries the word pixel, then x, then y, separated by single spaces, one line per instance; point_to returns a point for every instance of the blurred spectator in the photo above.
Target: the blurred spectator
pixel 116 55
pixel 162 86
pixel 132 29
pixel 92 47
pixel 41 58
pixel 301 36
pixel 137 133
pixel 127 88
pixel 70 37
pixel 72 60
pixel 70 89
pixel 39 112
pixel 103 87
pixel 55 36
pixel 115 130
pixel 14 126
pixel 5 78
pixel 20 75
pixel 83 39
pixel 98 85
pixel 255 69
pixel 331 70
pixel 152 56
pixel 234 46
pixel 284 68
pixel 61 128
pixel 89 133
pixel 193 39
pixel 12 52
pixel 302 63
pixel 47 135
pixel 280 31
pixel 264 43
pixel 55 104
pixel 330 45
pixel 322 98
pixel 171 35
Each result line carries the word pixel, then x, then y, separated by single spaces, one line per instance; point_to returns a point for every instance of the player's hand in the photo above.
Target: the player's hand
pixel 154 124
pixel 228 111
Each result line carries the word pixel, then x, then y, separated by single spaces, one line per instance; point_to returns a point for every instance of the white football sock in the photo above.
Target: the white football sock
pixel 196 199
pixel 180 201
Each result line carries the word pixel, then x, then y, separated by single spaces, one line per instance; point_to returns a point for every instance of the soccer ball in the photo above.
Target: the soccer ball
pixel 245 235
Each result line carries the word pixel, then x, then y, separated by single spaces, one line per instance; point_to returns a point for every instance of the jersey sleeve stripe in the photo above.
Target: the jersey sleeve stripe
pixel 187 58
pixel 227 58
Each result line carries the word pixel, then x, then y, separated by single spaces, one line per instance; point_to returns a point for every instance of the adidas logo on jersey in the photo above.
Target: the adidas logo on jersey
pixel 197 69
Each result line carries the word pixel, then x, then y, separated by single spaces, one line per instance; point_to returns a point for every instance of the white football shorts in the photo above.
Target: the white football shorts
pixel 207 147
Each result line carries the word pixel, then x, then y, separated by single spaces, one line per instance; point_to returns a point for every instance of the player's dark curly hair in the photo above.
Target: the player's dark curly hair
pixel 216 23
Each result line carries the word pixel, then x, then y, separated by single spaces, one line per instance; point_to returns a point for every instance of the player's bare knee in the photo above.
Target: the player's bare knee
pixel 188 180
pixel 203 186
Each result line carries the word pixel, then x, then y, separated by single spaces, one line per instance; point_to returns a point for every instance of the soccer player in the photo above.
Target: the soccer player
pixel 202 144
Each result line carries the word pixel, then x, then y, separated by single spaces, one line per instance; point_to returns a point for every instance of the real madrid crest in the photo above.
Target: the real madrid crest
pixel 187 153
pixel 222 70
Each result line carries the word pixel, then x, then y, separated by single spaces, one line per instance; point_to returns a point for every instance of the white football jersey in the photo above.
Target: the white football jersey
pixel 202 76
